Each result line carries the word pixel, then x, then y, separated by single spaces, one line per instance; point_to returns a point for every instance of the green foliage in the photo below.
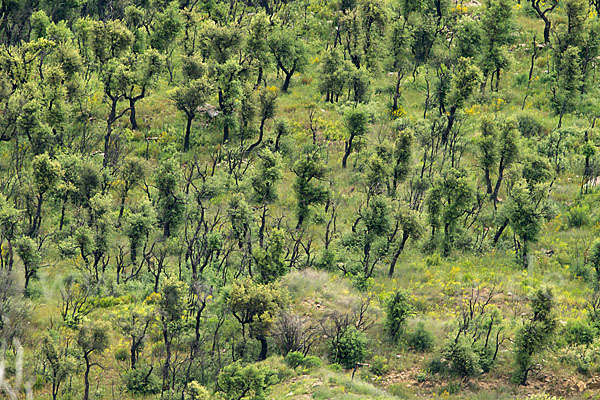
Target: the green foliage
pixel 420 339
pixel 350 349
pixel 535 334
pixel 142 381
pixel 197 392
pixel 236 381
pixel 294 359
pixel 398 309
pixel 379 366
pixel 460 358
pixel 579 332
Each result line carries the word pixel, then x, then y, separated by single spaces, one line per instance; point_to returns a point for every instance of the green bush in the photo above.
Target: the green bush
pixel 195 391
pixel 578 216
pixel 398 309
pixel 461 359
pixel 579 332
pixel 294 359
pixel 312 362
pixel 421 339
pixel 141 381
pixel 379 366
pixel 350 349
pixel 529 126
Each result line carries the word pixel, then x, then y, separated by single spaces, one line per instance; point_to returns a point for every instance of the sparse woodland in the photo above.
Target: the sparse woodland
pixel 299 199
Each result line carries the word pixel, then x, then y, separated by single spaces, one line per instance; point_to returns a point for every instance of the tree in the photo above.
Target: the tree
pixel 45 176
pixel 409 221
pixel 356 121
pixel 464 81
pixel 109 41
pixel 535 334
pixel 188 98
pixel 567 82
pixel 170 311
pixel 92 339
pixel 9 219
pixel 309 170
pixel 369 236
pixel 138 225
pixel 170 203
pixel 543 9
pixel 497 23
pixel 131 174
pixel 350 348
pixel 142 74
pixel 523 217
pixel 398 309
pixel 266 101
pixel 449 199
pixel 289 53
pixel 255 306
pixel 29 253
pixel 264 185
pixel 594 260
pixel 57 356
pixel 333 76
pixel 133 322
pixel 399 56
pixel 498 148
pixel 230 91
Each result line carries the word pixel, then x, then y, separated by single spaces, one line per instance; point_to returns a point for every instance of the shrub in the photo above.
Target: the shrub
pixel 379 366
pixel 195 391
pixel 142 381
pixel 529 126
pixel 578 216
pixel 578 332
pixel 350 348
pixel 436 365
pixel 421 339
pixel 535 334
pixel 398 310
pixel 312 362
pixel 121 354
pixel 294 359
pixel 461 359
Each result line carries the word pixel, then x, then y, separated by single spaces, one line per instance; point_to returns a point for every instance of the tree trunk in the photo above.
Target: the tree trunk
pixel 263 348
pixel 546 30
pixel 86 378
pixel 260 136
pixel 37 220
pixel 488 181
pixel 348 151
pixel 448 129
pixel 188 130
pixel 132 119
pixel 286 82
pixel 397 254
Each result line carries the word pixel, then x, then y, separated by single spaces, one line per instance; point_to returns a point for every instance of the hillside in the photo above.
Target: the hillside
pixel 299 199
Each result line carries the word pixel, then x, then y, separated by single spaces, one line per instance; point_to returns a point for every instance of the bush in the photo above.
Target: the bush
pixel 379 366
pixel 398 310
pixel 461 359
pixel 578 216
pixel 578 332
pixel 312 362
pixel 529 126
pixel 421 339
pixel 141 381
pixel 195 391
pixel 350 349
pixel 294 359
